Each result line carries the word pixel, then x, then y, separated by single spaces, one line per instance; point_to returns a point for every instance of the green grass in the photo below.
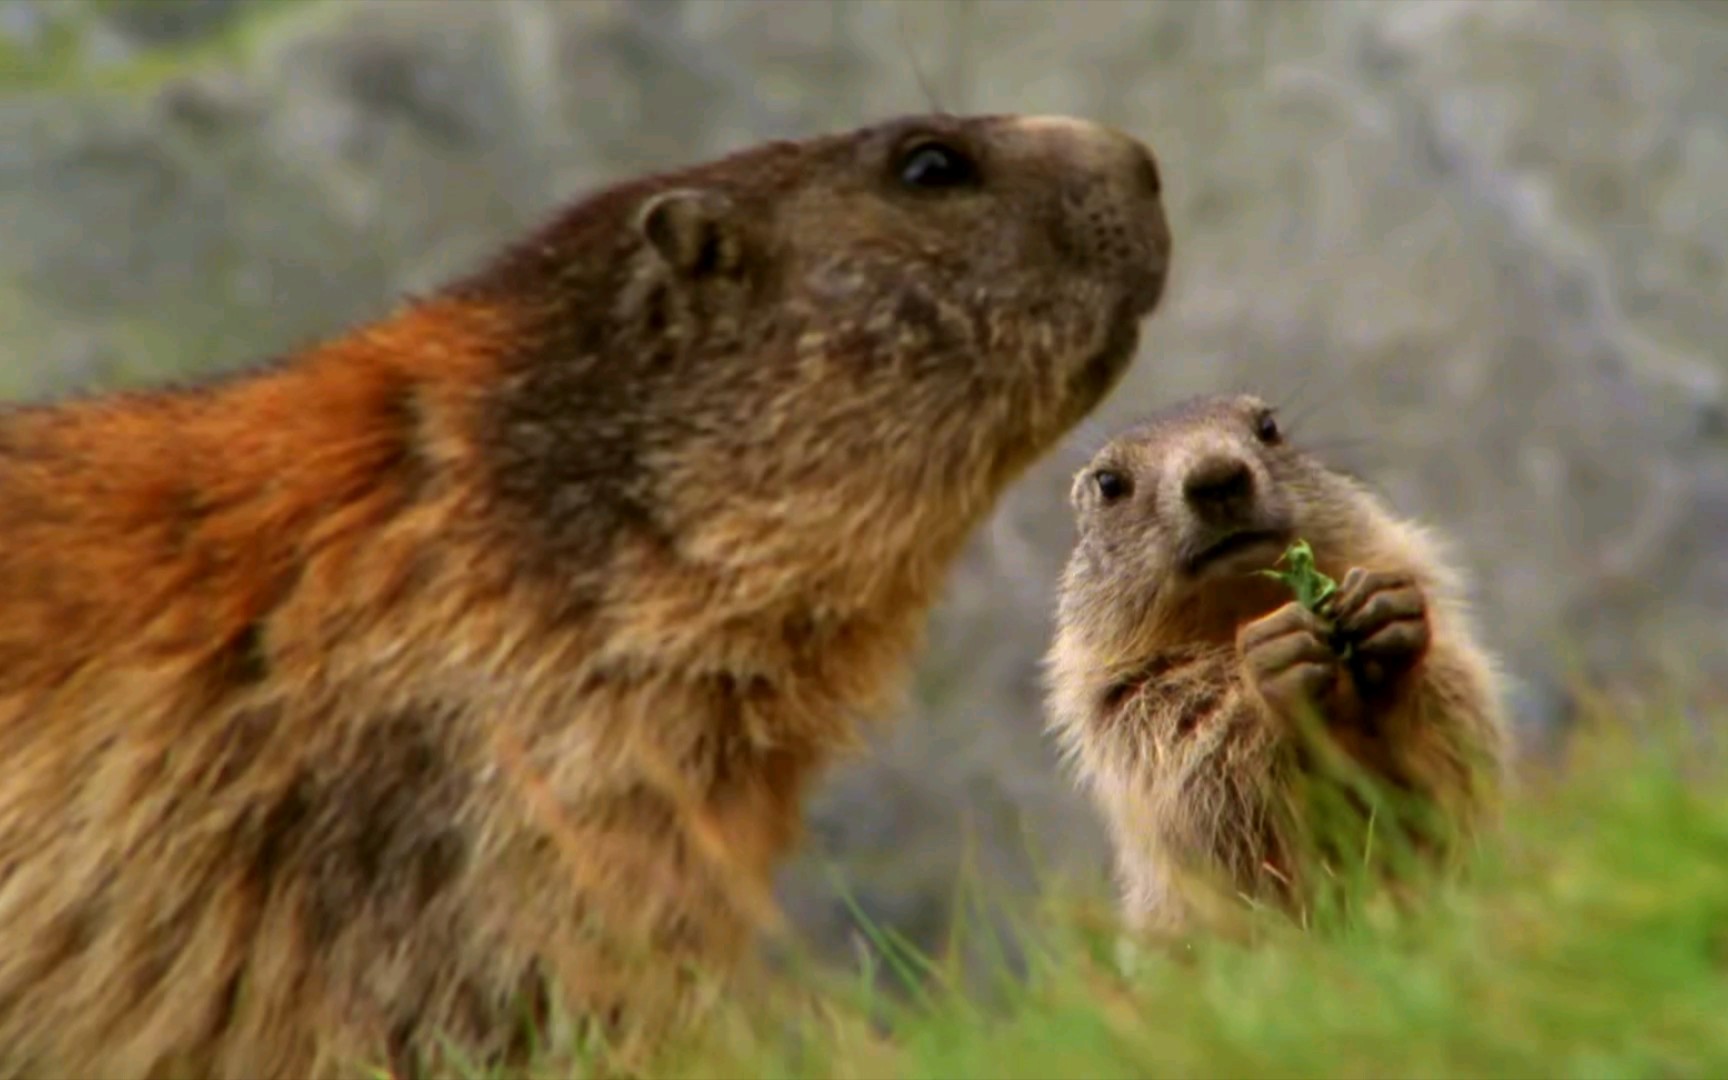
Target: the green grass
pixel 1588 938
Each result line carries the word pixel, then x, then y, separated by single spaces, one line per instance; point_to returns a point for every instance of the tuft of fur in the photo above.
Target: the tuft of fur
pixel 1190 748
pixel 476 662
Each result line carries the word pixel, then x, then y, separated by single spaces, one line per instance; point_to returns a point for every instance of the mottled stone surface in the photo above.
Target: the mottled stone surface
pixel 1480 248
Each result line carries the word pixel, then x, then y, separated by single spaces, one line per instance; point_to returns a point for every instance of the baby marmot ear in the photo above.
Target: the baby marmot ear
pixel 1077 488
pixel 692 230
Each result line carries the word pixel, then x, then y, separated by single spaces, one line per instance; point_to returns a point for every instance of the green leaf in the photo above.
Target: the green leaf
pixel 1312 588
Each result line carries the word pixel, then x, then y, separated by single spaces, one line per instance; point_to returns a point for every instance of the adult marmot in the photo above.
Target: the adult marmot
pixel 1177 674
pixel 481 657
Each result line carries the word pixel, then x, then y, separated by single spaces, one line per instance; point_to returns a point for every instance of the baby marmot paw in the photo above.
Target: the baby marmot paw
pixel 1289 660
pixel 1382 618
pixel 1375 627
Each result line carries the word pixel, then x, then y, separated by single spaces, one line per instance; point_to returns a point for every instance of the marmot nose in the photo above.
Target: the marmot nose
pixel 1114 153
pixel 1218 485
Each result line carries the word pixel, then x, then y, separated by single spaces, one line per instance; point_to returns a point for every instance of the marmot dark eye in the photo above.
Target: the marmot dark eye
pixel 1111 484
pixel 1266 428
pixel 936 165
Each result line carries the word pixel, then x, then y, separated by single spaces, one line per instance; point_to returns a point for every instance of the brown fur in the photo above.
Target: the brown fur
pixel 360 700
pixel 1174 689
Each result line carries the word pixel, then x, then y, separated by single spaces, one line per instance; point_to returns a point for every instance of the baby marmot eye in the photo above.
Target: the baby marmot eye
pixel 1266 428
pixel 936 165
pixel 1111 484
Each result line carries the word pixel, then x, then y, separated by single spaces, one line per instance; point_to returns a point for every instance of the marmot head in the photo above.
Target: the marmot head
pixel 850 342
pixel 1176 514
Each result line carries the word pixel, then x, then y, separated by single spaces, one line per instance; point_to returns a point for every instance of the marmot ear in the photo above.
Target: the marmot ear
pixel 1077 488
pixel 692 230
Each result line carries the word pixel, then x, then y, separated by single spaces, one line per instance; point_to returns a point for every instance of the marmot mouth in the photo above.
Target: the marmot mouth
pixel 1236 543
pixel 1148 292
pixel 1099 375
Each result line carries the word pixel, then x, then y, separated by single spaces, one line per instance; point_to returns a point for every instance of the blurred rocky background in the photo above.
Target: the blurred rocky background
pixel 1478 248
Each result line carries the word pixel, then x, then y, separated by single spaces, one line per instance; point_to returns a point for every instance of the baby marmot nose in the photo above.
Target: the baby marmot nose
pixel 1219 486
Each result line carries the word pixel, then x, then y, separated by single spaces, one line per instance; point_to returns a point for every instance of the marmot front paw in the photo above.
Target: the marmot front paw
pixel 1383 617
pixel 1289 660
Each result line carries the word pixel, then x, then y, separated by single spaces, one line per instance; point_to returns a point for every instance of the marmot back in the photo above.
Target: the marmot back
pixel 1178 675
pixel 463 663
